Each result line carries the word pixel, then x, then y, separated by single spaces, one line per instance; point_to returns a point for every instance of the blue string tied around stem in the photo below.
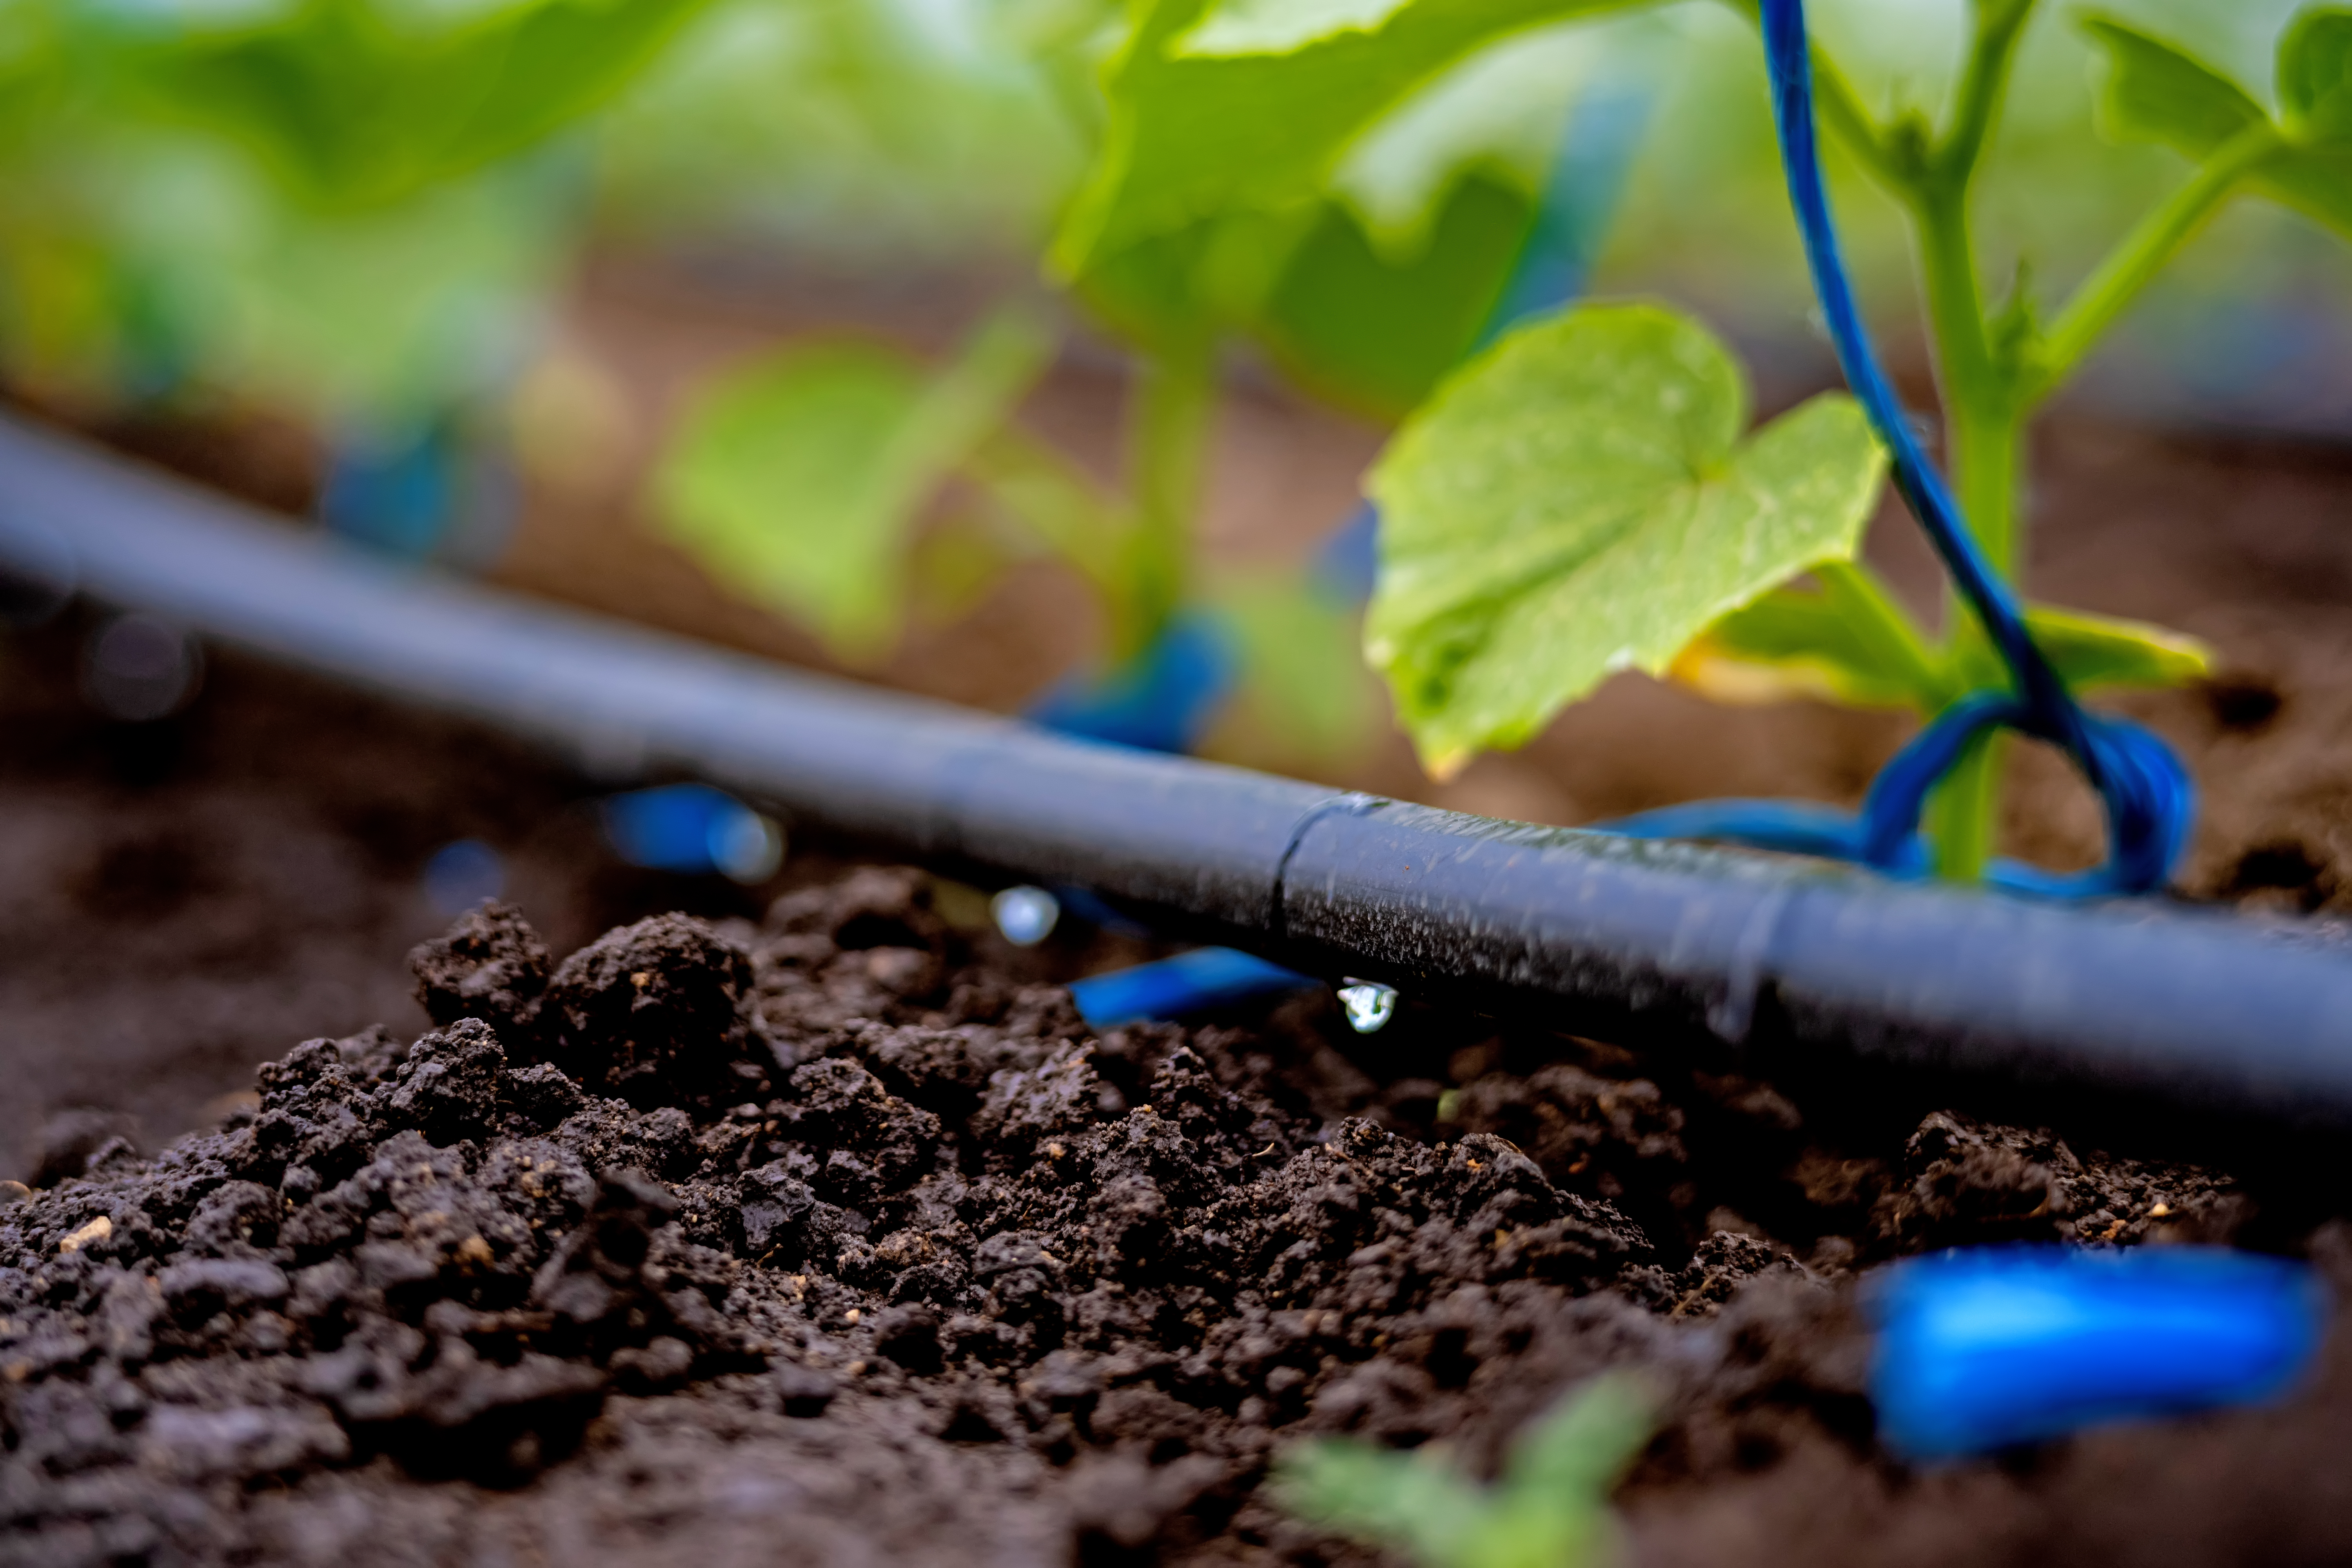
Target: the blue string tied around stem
pixel 2147 793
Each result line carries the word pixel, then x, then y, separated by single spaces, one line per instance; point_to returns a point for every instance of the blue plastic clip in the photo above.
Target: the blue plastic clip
pixel 1200 981
pixel 427 493
pixel 692 828
pixel 1160 700
pixel 1992 1346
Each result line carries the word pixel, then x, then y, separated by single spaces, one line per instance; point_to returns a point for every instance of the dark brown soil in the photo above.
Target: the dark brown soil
pixel 183 900
pixel 838 1238
pixel 835 1238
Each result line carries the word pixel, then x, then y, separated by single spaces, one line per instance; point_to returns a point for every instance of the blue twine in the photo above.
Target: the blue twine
pixel 2146 791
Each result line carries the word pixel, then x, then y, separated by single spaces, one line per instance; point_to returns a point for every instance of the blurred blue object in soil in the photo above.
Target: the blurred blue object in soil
pixel 1349 562
pixel 1085 904
pixel 1162 700
pixel 1992 1346
pixel 1597 143
pixel 461 875
pixel 1197 982
pixel 692 828
pixel 1598 140
pixel 427 493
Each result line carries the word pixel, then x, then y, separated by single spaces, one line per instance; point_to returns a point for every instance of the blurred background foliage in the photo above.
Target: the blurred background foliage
pixel 364 215
pixel 361 206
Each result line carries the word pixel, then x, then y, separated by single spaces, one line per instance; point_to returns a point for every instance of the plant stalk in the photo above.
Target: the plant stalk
pixel 1962 812
pixel 1170 412
pixel 2129 268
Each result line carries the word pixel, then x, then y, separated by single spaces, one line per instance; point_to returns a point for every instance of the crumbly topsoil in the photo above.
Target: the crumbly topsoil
pixel 830 1241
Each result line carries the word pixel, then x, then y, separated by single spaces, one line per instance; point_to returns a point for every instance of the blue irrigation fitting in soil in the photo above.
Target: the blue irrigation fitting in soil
pixel 1989 1347
pixel 1801 965
pixel 1201 981
pixel 429 493
pixel 692 830
pixel 2148 798
pixel 1163 700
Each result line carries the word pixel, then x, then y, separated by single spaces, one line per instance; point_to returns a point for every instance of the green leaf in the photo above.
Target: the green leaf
pixel 2102 651
pixel 1278 26
pixel 349 111
pixel 1500 114
pixel 1796 642
pixel 1174 293
pixel 1380 1498
pixel 1793 642
pixel 2159 93
pixel 1303 678
pixel 1551 1509
pixel 2315 181
pixel 1375 333
pixel 2156 92
pixel 1191 134
pixel 797 481
pixel 1578 500
pixel 2315 75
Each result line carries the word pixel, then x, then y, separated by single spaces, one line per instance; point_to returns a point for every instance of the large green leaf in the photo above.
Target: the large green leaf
pixel 1376 333
pixel 1578 501
pixel 1195 133
pixel 1177 292
pixel 2315 75
pixel 348 110
pixel 797 481
pixel 2157 92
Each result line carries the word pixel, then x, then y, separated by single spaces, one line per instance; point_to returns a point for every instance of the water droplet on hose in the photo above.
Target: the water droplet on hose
pixel 1370 1005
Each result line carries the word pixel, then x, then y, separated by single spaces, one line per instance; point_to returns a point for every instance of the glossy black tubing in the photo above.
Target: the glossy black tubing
pixel 2208 1012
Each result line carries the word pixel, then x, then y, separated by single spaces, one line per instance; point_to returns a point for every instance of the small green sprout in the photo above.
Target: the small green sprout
pixel 1549 1509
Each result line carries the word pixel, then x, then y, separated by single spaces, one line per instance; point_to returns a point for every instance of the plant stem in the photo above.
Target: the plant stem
pixel 2134 263
pixel 1169 413
pixel 1984 85
pixel 1961 813
pixel 1983 415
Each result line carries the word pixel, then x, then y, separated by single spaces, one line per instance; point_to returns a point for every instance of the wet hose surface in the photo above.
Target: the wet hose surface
pixel 2202 1010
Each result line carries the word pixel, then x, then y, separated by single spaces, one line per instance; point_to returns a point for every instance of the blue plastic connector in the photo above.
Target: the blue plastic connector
pixel 423 493
pixel 1200 981
pixel 1981 1349
pixel 1162 700
pixel 692 828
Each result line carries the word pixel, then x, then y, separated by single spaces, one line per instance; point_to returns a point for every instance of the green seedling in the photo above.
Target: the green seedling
pixel 1549 1508
pixel 1584 497
pixel 848 484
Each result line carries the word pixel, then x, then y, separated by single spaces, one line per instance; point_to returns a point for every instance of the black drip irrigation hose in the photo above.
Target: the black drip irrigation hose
pixel 2212 1014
